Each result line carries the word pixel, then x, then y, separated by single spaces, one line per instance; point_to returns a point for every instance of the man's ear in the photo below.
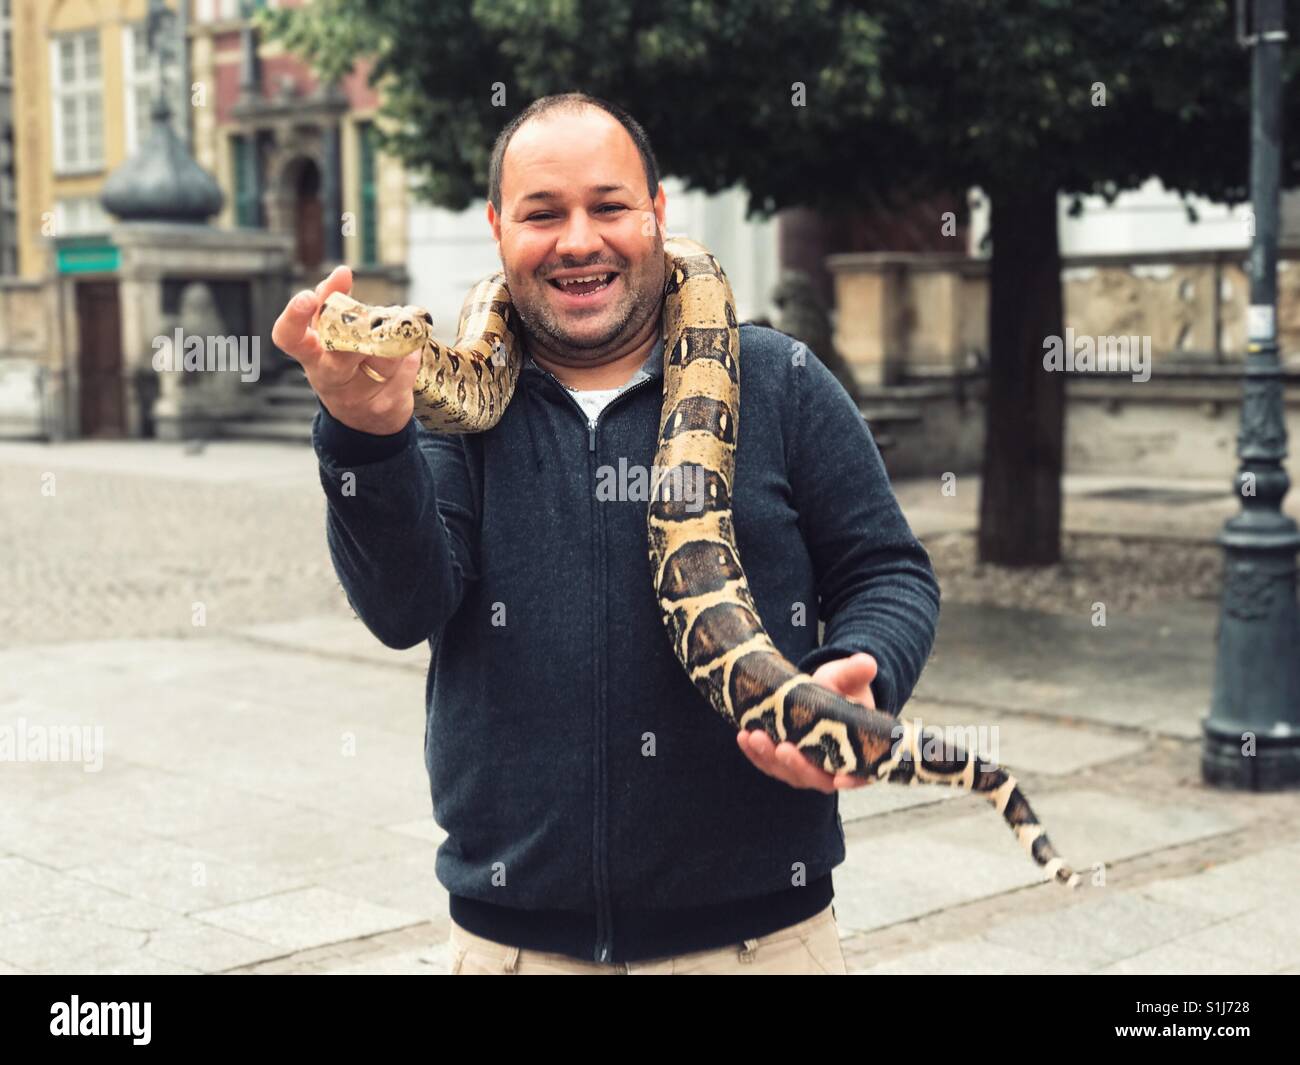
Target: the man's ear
pixel 661 209
pixel 494 220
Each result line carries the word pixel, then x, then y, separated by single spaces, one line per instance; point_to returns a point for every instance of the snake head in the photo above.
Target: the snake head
pixel 391 332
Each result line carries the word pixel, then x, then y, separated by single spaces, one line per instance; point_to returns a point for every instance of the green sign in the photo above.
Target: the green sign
pixel 96 258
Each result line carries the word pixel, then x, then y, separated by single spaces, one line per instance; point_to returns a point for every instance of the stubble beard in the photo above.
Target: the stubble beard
pixel 641 302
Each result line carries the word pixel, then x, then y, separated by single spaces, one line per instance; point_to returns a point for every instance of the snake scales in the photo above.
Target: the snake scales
pixel 703 594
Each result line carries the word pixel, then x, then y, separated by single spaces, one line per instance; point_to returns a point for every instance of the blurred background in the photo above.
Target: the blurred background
pixel 933 197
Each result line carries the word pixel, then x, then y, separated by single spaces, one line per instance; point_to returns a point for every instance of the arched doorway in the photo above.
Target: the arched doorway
pixel 302 190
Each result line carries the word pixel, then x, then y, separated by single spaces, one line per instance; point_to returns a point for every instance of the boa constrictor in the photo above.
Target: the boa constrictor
pixel 703 594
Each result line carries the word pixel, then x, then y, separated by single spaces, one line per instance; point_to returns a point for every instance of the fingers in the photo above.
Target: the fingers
pixel 783 762
pixel 339 280
pixel 293 333
pixel 398 375
pixel 848 673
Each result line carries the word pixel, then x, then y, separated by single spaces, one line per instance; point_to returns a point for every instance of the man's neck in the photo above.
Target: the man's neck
pixel 613 371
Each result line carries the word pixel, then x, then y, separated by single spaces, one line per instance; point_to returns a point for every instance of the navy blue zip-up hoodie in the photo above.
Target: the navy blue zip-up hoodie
pixel 594 803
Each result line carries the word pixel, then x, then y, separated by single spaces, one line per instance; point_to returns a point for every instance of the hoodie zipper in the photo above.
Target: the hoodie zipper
pixel 600 831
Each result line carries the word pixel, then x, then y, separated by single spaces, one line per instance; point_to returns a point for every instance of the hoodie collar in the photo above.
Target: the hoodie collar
pixel 534 376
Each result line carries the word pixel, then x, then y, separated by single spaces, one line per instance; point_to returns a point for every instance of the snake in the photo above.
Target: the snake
pixel 704 598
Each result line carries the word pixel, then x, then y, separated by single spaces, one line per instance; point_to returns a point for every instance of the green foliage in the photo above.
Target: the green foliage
pixel 902 98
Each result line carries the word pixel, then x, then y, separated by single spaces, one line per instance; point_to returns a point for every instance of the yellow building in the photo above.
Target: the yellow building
pixel 295 160
pixel 281 148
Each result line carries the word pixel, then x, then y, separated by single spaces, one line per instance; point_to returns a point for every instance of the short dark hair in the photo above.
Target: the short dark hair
pixel 571 101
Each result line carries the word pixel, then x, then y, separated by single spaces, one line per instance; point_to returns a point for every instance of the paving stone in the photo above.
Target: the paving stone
pixel 425 828
pixel 337 637
pixel 55 943
pixel 311 917
pixel 1027 746
pixel 876 799
pixel 127 963
pixel 29 891
pixel 1105 926
pixel 972 957
pixel 901 876
pixel 404 882
pixel 199 945
pixel 1088 826
pixel 432 961
pixel 1269 938
pixel 303 843
pixel 184 879
pixel 1132 672
pixel 1175 959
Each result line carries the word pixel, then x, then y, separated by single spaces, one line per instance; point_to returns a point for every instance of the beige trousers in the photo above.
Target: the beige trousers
pixel 811 947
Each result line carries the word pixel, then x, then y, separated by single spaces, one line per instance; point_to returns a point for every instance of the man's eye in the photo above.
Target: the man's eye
pixel 611 207
pixel 540 216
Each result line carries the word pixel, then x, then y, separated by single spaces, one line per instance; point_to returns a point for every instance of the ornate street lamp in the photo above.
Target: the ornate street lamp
pixel 1252 735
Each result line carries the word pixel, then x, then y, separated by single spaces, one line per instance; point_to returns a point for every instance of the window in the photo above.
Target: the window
pixel 369 206
pixel 137 65
pixel 6 41
pixel 245 158
pixel 76 84
pixel 80 214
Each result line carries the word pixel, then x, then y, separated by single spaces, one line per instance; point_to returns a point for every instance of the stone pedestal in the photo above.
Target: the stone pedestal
pixel 223 290
pixel 900 312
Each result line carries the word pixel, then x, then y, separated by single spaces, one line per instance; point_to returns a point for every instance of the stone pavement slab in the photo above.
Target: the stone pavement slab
pixel 199 947
pixel 311 917
pixel 337 638
pixel 1153 673
pixel 896 876
pixel 305 843
pixel 969 957
pixel 183 879
pixel 1106 925
pixel 435 961
pixel 1026 744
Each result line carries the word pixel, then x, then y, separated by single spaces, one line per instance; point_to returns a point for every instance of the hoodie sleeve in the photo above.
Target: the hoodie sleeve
pixel 401 523
pixel 877 589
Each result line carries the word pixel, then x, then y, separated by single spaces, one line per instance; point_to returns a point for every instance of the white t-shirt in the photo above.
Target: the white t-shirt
pixel 595 400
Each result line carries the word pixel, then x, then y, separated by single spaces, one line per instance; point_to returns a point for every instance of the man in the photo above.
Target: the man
pixel 599 815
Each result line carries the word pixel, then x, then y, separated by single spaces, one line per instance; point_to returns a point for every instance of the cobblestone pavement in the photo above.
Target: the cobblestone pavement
pixel 125 541
pixel 260 801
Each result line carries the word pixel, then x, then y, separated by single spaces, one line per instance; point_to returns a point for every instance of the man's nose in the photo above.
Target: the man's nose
pixel 579 237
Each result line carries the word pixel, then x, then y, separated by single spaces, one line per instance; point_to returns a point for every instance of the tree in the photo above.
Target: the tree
pixel 826 103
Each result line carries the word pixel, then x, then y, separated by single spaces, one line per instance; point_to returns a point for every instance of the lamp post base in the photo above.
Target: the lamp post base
pixel 1269 768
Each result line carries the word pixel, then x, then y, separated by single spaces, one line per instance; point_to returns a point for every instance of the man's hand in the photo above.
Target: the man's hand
pixel 337 377
pixel 851 677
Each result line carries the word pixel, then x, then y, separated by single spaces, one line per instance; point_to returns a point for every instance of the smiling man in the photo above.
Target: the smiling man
pixel 600 817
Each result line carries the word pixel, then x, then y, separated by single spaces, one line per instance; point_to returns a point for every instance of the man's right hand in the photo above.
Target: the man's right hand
pixel 336 377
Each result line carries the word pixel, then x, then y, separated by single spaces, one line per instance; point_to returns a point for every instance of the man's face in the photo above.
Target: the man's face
pixel 574 204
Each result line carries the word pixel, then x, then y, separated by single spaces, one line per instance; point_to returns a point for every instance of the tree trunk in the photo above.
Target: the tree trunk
pixel 1020 498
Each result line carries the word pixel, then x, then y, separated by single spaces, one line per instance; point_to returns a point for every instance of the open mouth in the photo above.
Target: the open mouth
pixel 586 285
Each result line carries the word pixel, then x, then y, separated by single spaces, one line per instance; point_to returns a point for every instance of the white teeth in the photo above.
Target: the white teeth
pixel 583 280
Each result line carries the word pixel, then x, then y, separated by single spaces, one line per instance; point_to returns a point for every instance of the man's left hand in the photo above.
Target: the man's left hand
pixel 851 677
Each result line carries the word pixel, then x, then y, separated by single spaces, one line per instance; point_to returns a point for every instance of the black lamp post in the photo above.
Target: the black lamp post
pixel 1252 735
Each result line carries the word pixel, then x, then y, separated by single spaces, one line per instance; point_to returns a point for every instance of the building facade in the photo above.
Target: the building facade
pixel 291 156
pixel 8 188
pixel 295 161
